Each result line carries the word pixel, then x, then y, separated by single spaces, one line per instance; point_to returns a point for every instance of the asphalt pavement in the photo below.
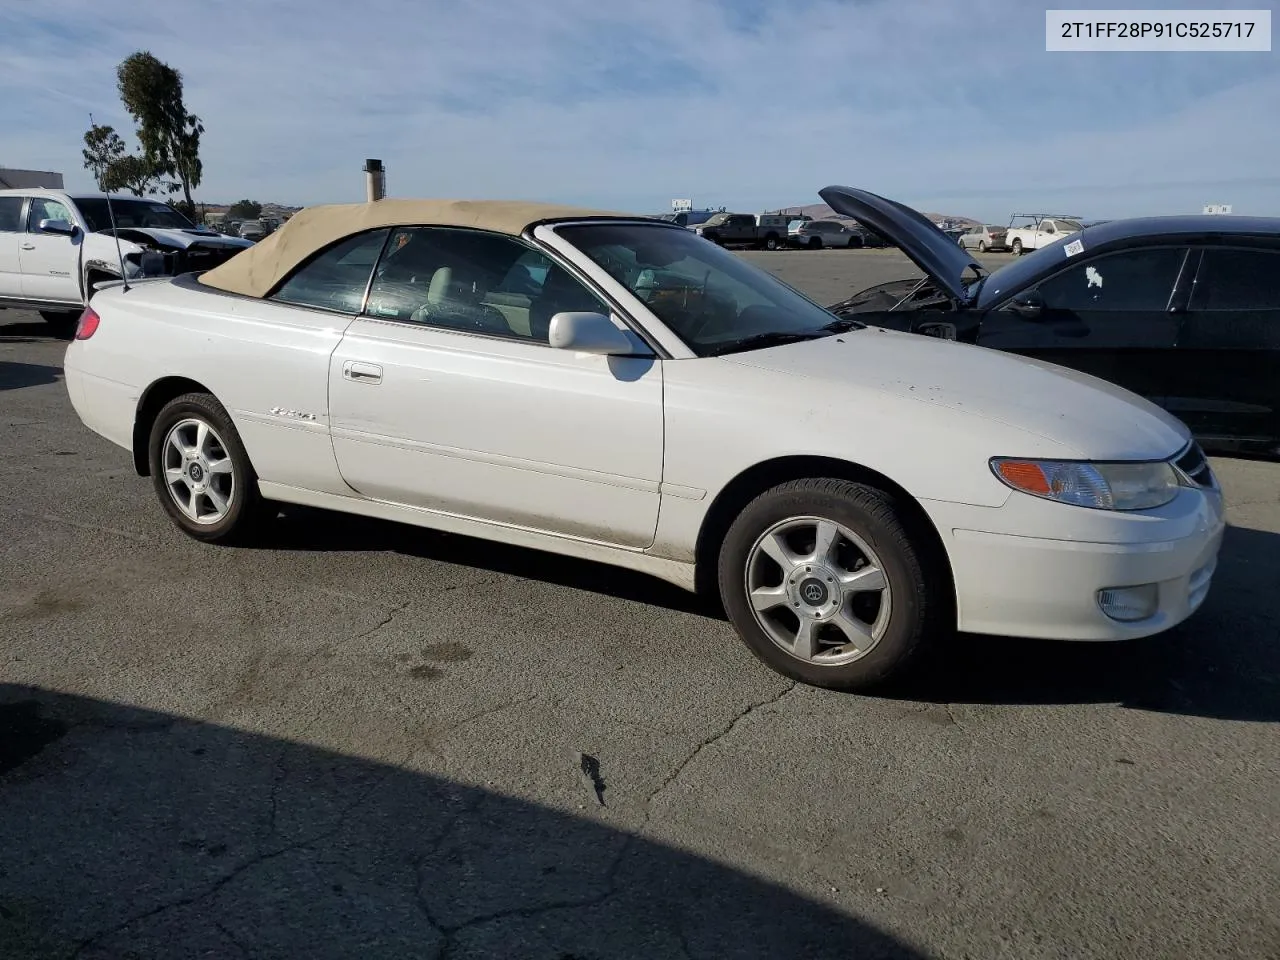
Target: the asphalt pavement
pixel 361 740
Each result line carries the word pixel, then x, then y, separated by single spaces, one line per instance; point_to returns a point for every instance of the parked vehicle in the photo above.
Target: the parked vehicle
pixel 816 234
pixel 689 218
pixel 983 237
pixel 1184 311
pixel 55 247
pixel 745 229
pixel 252 230
pixel 617 389
pixel 1043 230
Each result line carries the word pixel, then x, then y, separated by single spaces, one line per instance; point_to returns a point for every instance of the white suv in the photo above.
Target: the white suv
pixel 55 247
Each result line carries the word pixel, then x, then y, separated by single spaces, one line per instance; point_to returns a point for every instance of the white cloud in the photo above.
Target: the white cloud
pixel 746 103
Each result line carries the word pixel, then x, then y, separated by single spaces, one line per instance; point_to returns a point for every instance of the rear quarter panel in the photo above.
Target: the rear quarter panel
pixel 267 364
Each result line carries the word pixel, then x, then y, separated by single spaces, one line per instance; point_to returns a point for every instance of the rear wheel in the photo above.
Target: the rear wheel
pixel 982 246
pixel 771 242
pixel 825 583
pixel 201 471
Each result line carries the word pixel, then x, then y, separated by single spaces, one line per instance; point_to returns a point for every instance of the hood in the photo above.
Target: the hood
pixel 1086 418
pixel 181 239
pixel 938 255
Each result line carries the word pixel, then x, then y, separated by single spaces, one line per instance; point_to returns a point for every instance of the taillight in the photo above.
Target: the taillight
pixel 88 325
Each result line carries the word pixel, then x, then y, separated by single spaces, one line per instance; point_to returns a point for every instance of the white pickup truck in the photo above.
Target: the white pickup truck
pixel 55 247
pixel 1043 230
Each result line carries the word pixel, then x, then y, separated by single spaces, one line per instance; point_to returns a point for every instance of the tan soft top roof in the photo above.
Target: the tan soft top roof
pixel 260 268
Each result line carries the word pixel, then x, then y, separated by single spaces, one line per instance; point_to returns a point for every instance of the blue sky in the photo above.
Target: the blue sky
pixel 949 105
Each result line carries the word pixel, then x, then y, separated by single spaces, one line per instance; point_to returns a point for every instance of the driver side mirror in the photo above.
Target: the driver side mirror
pixel 62 227
pixel 589 332
pixel 1028 305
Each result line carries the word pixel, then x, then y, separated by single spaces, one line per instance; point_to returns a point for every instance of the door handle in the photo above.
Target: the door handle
pixel 362 372
pixel 28 246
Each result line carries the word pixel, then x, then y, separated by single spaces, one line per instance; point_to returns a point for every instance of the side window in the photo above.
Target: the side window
pixel 43 209
pixel 1238 280
pixel 10 214
pixel 334 279
pixel 1048 227
pixel 1131 280
pixel 473 281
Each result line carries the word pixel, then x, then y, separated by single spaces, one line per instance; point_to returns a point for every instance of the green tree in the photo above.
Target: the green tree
pixel 170 136
pixel 103 147
pixel 245 210
pixel 114 168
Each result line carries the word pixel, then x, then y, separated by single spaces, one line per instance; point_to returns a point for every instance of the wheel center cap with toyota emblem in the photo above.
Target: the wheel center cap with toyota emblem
pixel 813 592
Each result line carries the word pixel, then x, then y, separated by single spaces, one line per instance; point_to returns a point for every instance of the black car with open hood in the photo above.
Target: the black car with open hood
pixel 1182 310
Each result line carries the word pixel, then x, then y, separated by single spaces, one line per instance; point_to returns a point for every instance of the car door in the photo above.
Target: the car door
pixel 1046 233
pixel 443 397
pixel 1113 316
pixel 50 262
pixel 1224 381
pixel 11 234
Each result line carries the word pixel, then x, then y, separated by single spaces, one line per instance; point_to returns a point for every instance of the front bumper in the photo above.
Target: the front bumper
pixel 1034 568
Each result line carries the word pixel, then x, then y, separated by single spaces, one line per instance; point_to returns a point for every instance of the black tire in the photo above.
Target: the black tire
pixel 61 324
pixel 1017 247
pixel 815 243
pixel 246 506
pixel 920 590
pixel 982 246
pixel 855 243
pixel 771 242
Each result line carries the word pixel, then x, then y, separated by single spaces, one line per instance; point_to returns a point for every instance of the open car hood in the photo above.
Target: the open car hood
pixel 940 257
pixel 181 239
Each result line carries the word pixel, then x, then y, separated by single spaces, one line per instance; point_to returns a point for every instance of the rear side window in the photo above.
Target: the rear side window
pixel 1238 280
pixel 1130 280
pixel 10 214
pixel 336 278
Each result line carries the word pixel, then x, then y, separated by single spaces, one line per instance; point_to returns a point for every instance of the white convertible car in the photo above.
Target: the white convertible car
pixel 619 389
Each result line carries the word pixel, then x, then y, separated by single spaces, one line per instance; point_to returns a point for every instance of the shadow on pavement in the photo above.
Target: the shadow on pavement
pixel 30 331
pixel 1223 662
pixel 15 376
pixel 127 833
pixel 312 530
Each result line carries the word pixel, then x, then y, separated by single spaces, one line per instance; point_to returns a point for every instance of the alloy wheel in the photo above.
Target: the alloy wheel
pixel 198 471
pixel 818 590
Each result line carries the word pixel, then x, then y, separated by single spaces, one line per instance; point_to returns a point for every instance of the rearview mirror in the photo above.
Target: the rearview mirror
pixel 588 332
pixel 1029 305
pixel 64 227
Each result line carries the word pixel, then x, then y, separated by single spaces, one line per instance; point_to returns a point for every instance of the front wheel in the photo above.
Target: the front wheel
pixel 201 471
pixel 825 583
pixel 1017 248
pixel 815 243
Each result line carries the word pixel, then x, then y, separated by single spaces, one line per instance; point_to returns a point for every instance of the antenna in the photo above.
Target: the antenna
pixel 111 216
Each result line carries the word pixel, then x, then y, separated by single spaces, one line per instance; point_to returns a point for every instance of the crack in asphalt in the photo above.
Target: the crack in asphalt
pixel 708 741
pixel 243 950
pixel 610 885
pixel 226 879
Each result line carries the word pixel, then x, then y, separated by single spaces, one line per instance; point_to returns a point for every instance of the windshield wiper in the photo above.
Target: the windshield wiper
pixel 844 325
pixel 761 340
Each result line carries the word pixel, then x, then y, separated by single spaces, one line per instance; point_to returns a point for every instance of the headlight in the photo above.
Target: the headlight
pixel 1103 486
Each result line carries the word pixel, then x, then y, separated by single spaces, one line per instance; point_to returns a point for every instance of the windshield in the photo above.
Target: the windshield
pixel 130 213
pixel 712 299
